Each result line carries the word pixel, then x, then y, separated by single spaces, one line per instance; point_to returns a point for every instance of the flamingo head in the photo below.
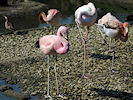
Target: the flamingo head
pixel 63 31
pixel 5 17
pixel 86 15
pixel 42 17
pixel 125 25
pixel 124 33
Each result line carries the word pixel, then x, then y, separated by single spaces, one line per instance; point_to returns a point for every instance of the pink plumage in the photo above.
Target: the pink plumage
pixel 55 44
pixel 113 21
pixel 113 28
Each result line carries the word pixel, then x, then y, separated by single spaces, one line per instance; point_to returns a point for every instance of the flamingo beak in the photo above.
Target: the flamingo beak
pixel 66 36
pixel 125 25
pixel 126 31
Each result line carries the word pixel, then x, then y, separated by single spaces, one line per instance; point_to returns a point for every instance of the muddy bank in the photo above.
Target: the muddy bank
pixel 22 9
pixel 25 65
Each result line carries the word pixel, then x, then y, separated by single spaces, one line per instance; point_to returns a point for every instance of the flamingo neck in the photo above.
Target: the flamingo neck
pixel 93 9
pixel 86 14
pixel 42 17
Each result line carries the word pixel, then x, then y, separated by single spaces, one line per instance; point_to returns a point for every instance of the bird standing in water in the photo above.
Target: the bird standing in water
pixel 53 18
pixel 85 15
pixel 54 44
pixel 114 29
pixel 8 25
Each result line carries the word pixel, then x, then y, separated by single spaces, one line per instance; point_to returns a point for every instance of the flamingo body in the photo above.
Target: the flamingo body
pixel 113 28
pixel 53 18
pixel 52 44
pixel 55 44
pixel 86 15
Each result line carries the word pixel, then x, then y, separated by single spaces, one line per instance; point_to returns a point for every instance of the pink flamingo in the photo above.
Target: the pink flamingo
pixel 85 15
pixel 114 29
pixel 53 18
pixel 54 44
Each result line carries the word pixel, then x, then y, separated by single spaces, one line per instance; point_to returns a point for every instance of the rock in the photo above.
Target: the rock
pixel 5 87
pixel 16 95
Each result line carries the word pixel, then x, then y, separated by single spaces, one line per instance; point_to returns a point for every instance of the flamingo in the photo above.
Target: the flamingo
pixel 8 25
pixel 114 29
pixel 85 15
pixel 53 18
pixel 54 44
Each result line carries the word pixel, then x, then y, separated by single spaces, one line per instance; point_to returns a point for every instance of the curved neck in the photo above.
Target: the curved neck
pixel 62 47
pixel 6 19
pixel 93 9
pixel 85 16
pixel 42 17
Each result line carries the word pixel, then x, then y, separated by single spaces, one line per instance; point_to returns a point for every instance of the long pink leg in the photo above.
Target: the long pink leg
pixel 84 41
pixel 48 95
pixel 57 85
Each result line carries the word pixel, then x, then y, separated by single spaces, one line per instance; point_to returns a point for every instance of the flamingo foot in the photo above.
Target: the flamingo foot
pixel 85 77
pixel 48 96
pixel 61 96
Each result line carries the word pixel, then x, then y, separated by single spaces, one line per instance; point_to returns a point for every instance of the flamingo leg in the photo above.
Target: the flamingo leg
pixel 48 95
pixel 54 30
pixel 84 61
pixel 113 58
pixel 84 41
pixel 57 85
pixel 105 42
pixel 113 61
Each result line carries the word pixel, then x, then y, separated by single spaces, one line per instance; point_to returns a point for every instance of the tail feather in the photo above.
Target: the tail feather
pixel 37 44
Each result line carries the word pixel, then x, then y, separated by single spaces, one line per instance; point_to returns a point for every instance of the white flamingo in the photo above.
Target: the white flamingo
pixel 85 15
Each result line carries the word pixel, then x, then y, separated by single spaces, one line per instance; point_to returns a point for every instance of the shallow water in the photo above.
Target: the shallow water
pixel 15 88
pixel 31 21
